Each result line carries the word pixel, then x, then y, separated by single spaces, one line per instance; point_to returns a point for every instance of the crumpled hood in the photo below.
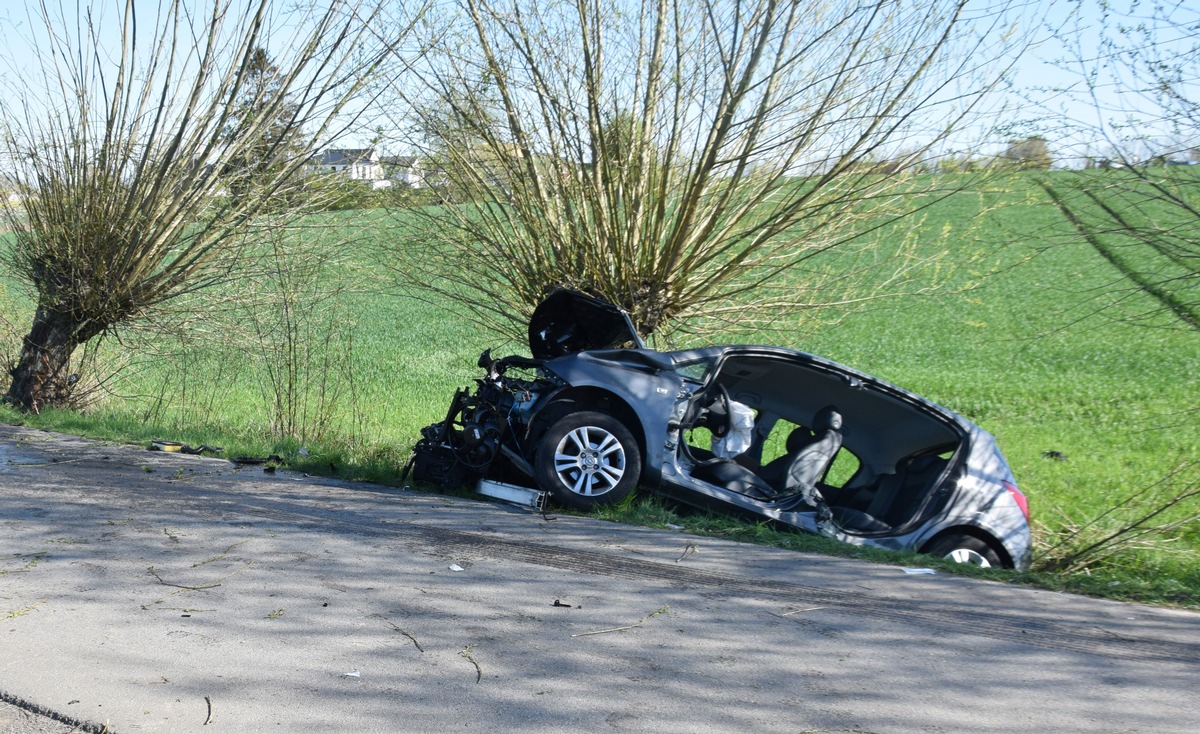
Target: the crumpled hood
pixel 568 321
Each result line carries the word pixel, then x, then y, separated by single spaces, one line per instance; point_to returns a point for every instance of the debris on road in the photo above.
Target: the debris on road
pixel 466 653
pixel 182 448
pixel 646 618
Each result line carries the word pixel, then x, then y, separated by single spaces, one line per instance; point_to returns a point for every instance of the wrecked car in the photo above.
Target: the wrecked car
pixel 758 431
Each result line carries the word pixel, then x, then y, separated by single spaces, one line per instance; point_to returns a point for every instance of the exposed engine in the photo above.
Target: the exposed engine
pixel 480 426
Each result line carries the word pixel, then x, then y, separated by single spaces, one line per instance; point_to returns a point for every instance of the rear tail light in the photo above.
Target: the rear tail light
pixel 1020 498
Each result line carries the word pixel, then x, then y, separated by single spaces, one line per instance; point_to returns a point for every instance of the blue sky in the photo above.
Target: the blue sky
pixel 1121 106
pixel 1041 68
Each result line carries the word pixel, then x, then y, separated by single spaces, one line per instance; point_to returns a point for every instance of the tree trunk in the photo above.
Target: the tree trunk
pixel 41 377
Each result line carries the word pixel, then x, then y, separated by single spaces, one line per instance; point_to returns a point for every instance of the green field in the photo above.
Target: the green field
pixel 1088 405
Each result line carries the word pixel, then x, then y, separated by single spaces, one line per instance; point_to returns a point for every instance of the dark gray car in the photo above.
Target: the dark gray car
pixel 759 431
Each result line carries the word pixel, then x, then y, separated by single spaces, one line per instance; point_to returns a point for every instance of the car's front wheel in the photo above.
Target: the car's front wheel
pixel 587 459
pixel 966 549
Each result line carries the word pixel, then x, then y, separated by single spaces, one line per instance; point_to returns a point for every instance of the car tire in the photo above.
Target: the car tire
pixel 587 459
pixel 966 549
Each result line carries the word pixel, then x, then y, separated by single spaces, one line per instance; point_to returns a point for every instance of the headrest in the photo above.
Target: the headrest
pixel 827 419
pixel 924 463
pixel 798 439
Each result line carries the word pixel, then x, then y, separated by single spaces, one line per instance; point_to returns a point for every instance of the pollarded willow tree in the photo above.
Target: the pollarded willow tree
pixel 683 158
pixel 147 146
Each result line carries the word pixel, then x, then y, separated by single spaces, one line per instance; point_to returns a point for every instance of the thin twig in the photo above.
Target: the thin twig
pixel 629 627
pixel 208 718
pixel 466 653
pixel 34 559
pixel 407 634
pixel 19 612
pixel 798 611
pixel 222 554
pixel 689 549
pixel 194 588
pixel 181 588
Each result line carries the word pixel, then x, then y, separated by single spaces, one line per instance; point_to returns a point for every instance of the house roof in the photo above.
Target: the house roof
pixel 345 156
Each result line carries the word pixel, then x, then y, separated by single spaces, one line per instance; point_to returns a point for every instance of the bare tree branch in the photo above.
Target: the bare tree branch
pixel 142 179
pixel 679 156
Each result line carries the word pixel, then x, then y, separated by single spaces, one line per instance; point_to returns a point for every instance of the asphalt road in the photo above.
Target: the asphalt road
pixel 155 592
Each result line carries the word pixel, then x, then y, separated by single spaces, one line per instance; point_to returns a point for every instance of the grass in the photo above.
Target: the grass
pixel 1017 342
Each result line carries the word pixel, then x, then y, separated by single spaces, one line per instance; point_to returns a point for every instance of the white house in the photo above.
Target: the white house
pixel 358 164
pixel 365 164
pixel 405 170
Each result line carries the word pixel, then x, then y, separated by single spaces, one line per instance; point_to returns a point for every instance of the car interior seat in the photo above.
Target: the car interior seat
pixel 775 470
pixel 808 465
pixel 798 471
pixel 897 496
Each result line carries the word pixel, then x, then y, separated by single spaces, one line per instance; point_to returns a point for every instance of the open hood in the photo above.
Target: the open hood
pixel 568 321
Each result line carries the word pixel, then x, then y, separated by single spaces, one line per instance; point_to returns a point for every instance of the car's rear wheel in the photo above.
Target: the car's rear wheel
pixel 587 459
pixel 966 549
